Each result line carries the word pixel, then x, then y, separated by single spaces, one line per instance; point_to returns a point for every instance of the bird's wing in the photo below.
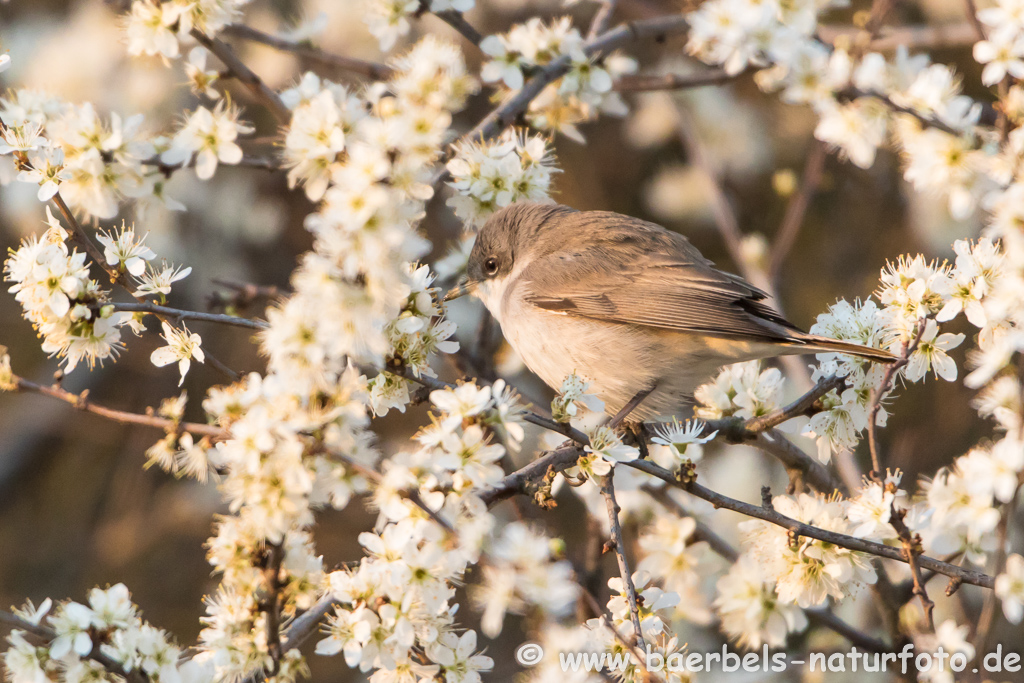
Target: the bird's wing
pixel 638 273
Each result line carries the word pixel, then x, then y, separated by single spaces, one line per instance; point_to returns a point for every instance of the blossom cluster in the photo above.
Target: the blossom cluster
pixel 579 96
pixel 80 636
pixel 95 164
pixel 158 28
pixel 860 97
pixel 808 571
pixel 488 176
pixel 60 299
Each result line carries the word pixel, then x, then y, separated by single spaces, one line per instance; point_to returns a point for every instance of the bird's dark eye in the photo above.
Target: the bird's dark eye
pixel 491 265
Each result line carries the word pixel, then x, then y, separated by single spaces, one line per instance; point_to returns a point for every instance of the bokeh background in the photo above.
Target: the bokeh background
pixel 77 509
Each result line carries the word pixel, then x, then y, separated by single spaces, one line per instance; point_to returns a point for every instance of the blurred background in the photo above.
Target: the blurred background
pixel 77 509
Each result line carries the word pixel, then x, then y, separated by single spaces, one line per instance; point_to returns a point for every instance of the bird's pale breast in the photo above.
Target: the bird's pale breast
pixel 619 360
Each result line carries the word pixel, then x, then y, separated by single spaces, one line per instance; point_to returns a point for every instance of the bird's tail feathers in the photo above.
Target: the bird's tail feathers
pixel 812 342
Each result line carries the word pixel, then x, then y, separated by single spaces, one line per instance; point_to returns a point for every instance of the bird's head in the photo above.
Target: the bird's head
pixel 509 241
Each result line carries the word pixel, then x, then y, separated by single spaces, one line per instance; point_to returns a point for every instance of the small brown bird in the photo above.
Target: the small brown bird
pixel 624 303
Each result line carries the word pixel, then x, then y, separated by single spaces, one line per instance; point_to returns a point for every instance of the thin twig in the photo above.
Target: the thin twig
pixel 82 402
pixel 642 83
pixel 607 622
pixel 619 546
pixel 271 605
pixel 725 218
pixel 246 76
pixel 263 163
pixel 879 393
pixel 180 314
pixel 796 209
pixel 913 38
pixel 912 548
pixel 602 19
pixel 305 51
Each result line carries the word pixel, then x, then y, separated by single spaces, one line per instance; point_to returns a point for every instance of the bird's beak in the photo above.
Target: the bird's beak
pixel 465 286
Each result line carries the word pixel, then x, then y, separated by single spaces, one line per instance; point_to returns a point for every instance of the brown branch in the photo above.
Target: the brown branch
pixel 796 209
pixel 725 218
pixel 641 83
pixel 81 402
pixel 911 544
pixel 246 76
pixel 305 51
pixel 798 528
pixel 879 393
pixel 271 605
pixel 247 161
pixel 913 38
pixel 633 648
pixel 602 19
pixel 619 546
pixel 821 617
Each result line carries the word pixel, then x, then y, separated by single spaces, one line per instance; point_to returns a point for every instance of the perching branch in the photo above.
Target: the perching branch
pixel 307 52
pixel 246 76
pixel 732 430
